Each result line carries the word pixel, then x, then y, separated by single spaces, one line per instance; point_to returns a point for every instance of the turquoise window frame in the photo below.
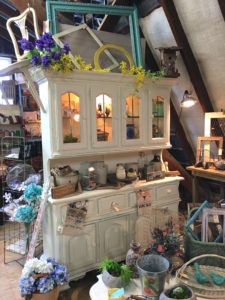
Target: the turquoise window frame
pixel 53 7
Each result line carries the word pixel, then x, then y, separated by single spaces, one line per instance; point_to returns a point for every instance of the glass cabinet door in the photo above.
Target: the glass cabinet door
pixel 133 117
pixel 70 104
pixel 158 112
pixel 70 118
pixel 104 114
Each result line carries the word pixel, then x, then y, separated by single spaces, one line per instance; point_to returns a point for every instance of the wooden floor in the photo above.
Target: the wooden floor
pixel 9 277
pixel 11 271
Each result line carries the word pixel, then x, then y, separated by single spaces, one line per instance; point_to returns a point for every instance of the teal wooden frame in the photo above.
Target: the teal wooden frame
pixel 52 7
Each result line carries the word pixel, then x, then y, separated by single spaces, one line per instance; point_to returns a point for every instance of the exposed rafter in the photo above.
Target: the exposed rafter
pixel 39 7
pixel 181 134
pixel 187 55
pixel 110 21
pixel 145 7
pixel 176 166
pixel 222 7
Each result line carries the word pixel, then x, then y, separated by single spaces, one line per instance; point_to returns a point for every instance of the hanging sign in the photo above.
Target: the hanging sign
pixel 37 225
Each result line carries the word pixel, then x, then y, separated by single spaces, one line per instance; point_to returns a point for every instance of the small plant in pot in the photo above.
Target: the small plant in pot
pixel 179 291
pixel 115 274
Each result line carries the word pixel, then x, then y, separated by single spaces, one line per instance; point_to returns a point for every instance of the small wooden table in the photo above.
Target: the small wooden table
pixel 99 291
pixel 212 174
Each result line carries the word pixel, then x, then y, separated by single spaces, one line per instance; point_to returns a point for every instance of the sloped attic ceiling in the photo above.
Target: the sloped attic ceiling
pixel 203 24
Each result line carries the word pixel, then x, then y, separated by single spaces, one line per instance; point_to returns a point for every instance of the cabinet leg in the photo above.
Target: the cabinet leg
pixel 194 189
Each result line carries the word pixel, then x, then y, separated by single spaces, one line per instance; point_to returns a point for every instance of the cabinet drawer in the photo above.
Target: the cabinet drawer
pixel 166 192
pixel 170 206
pixel 112 204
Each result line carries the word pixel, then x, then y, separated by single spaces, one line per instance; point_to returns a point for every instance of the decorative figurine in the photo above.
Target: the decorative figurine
pixel 120 172
pixel 132 255
pixel 167 61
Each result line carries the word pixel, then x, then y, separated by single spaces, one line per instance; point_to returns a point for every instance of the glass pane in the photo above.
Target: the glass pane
pixel 71 117
pixel 104 118
pixel 133 117
pixel 217 127
pixel 158 117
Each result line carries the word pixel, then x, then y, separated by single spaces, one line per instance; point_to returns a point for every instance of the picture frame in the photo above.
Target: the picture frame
pixel 209 148
pixel 63 33
pixel 54 7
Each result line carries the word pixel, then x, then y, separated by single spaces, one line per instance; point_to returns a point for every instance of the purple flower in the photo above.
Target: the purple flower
pixel 66 49
pixel 26 45
pixel 46 61
pixel 60 274
pixel 45 284
pixel 36 60
pixel 26 285
pixel 47 41
pixel 56 55
pixel 39 44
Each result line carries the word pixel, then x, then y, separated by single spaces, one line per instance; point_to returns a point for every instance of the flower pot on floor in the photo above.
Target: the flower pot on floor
pixel 51 295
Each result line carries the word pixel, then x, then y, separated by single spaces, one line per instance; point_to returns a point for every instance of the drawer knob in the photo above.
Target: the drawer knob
pixel 169 191
pixel 115 206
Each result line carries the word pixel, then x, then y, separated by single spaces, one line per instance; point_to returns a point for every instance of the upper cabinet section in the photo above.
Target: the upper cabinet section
pixel 103 115
pixel 90 112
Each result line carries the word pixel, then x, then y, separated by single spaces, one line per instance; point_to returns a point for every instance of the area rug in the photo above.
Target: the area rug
pixel 79 290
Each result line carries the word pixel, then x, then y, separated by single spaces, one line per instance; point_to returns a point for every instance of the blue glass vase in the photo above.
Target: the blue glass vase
pixel 130 131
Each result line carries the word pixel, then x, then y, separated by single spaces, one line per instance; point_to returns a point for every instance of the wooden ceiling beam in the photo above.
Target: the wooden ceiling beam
pixel 174 165
pixel 39 7
pixel 7 11
pixel 222 7
pixel 187 55
pixel 110 21
pixel 182 135
pixel 4 34
pixel 145 7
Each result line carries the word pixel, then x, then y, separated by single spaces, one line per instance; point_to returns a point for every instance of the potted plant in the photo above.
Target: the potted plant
pixel 40 279
pixel 115 274
pixel 179 291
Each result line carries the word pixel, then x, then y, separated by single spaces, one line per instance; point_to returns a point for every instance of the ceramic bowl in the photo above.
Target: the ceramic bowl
pixel 165 294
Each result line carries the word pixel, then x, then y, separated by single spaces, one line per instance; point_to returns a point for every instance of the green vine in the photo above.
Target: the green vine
pixel 140 74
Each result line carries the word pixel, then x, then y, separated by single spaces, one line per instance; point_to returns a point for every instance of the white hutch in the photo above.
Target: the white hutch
pixel 93 116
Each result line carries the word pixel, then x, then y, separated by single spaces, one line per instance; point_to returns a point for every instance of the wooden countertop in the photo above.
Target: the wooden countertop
pixel 214 174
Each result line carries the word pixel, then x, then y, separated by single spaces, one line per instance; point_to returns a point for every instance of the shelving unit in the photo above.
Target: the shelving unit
pixel 14 154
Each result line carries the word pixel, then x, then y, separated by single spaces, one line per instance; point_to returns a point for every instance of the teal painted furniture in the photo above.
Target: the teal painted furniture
pixel 53 7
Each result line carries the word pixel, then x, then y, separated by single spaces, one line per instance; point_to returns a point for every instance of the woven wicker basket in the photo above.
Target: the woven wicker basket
pixel 195 248
pixel 208 290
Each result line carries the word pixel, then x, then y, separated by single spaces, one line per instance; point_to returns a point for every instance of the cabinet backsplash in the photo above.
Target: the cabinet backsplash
pixel 111 160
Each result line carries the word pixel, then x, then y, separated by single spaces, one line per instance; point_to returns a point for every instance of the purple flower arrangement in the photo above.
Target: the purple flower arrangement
pixel 39 275
pixel 46 53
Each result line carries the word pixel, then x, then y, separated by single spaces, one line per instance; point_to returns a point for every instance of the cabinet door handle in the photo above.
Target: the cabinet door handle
pixel 165 209
pixel 115 206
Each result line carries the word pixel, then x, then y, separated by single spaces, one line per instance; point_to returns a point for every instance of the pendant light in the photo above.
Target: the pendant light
pixel 188 99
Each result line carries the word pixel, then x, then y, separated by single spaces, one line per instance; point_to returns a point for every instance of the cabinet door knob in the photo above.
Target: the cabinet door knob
pixel 115 206
pixel 165 209
pixel 169 191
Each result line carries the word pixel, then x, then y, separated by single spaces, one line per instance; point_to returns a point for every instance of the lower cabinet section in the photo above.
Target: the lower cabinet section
pixel 80 250
pixel 109 227
pixel 113 236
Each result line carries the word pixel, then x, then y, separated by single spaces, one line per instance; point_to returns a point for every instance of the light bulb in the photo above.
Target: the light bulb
pixel 76 117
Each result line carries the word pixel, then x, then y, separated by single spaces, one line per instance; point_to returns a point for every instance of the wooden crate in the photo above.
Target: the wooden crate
pixel 63 190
